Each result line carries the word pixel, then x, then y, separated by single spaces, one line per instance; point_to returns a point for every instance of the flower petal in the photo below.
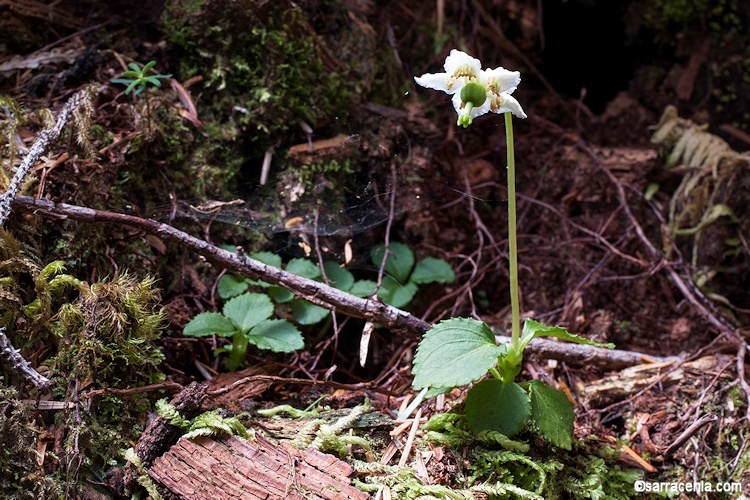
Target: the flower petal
pixel 457 103
pixel 507 80
pixel 480 110
pixel 457 59
pixel 437 81
pixel 511 104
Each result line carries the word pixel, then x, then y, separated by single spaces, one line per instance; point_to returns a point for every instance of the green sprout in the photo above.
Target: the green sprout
pixel 245 319
pixel 138 78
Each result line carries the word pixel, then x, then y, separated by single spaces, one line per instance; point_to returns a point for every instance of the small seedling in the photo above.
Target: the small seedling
pixel 245 319
pixel 403 277
pixel 400 283
pixel 460 351
pixel 137 78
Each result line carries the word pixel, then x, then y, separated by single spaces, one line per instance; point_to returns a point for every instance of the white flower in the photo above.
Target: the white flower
pixel 475 91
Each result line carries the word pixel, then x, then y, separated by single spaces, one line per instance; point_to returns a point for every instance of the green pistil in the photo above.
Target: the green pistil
pixel 464 120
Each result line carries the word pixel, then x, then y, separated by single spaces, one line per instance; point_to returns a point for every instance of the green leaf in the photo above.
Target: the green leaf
pixel 493 405
pixel 277 335
pixel 279 294
pixel 268 258
pixel 209 323
pixel 147 66
pixel 306 313
pixel 153 81
pixel 399 263
pixel 533 329
pixel 339 277
pixel 304 268
pixel 363 288
pixel 436 391
pixel 137 69
pixel 455 352
pixel 552 413
pixel 231 285
pixel 395 294
pixel 247 310
pixel 132 86
pixel 432 270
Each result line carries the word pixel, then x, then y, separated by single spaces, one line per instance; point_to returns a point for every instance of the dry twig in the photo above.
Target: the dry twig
pixel 400 322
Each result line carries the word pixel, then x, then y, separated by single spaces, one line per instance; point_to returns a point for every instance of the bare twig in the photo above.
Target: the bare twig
pixel 43 141
pixel 398 321
pixel 12 356
pixel 690 432
pixel 584 355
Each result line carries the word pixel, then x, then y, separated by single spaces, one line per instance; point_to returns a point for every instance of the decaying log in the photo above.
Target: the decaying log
pixel 160 434
pixel 632 380
pixel 252 469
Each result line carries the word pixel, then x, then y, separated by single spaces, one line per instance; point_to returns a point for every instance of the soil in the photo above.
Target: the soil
pixel 615 244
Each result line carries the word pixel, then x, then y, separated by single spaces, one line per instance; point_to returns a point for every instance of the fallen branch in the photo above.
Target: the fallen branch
pixel 12 356
pixel 159 434
pixel 398 321
pixel 44 139
pixel 585 355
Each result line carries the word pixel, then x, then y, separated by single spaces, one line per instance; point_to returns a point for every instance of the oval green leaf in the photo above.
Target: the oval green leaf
pixel 395 294
pixel 363 288
pixel 455 352
pixel 338 277
pixel 230 285
pixel 247 310
pixel 209 323
pixel 306 313
pixel 532 329
pixel 400 260
pixel 493 405
pixel 277 335
pixel 304 268
pixel 279 294
pixel 432 270
pixel 553 414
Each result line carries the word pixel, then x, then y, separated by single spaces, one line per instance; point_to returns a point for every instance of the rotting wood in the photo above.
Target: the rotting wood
pixel 252 469
pixel 159 433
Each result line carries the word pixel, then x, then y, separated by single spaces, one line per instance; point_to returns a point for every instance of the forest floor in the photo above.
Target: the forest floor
pixel 632 224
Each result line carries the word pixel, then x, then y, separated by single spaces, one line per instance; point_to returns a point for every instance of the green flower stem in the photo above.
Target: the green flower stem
pixel 515 309
pixel 239 348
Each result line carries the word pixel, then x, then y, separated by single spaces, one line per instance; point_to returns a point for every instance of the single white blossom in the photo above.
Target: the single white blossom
pixel 475 91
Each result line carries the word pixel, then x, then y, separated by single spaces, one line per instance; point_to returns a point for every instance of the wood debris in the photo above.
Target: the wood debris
pixel 204 468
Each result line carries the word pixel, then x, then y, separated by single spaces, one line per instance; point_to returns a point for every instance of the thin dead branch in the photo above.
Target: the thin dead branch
pixel 12 356
pixel 398 321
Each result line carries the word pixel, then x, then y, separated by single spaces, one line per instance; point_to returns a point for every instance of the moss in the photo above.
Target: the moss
pixel 264 67
pixel 108 337
pixel 501 464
